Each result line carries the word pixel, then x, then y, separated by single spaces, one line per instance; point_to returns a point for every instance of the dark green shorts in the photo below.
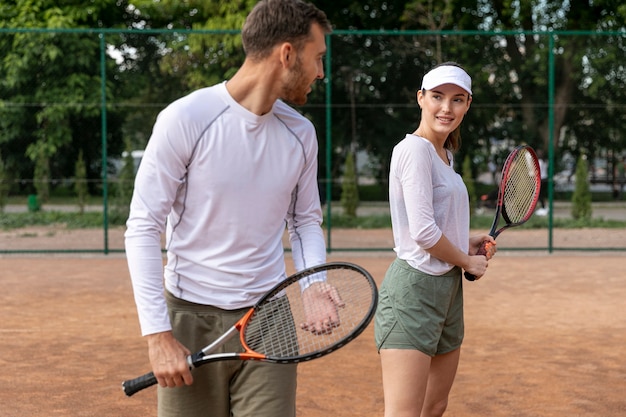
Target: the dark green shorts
pixel 419 311
pixel 226 388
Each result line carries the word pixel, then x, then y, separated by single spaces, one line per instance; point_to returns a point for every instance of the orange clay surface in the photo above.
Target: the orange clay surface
pixel 545 336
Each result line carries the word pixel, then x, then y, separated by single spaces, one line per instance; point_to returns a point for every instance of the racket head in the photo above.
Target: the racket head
pixel 517 195
pixel 519 187
pixel 270 330
pixel 273 329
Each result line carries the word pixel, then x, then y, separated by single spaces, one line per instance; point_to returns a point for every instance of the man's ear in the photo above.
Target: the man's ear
pixel 287 54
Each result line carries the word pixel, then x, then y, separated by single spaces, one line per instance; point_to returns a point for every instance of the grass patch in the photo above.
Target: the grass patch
pixel 51 218
pixel 378 221
pixel 477 222
pixel 95 220
pixel 537 222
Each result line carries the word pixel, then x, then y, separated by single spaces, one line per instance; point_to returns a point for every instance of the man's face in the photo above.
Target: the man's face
pixel 308 67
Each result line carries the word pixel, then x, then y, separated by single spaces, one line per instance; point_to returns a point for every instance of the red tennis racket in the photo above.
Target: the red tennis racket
pixel 276 330
pixel 517 195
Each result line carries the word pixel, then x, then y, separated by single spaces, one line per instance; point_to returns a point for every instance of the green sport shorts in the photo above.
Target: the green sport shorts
pixel 230 388
pixel 419 311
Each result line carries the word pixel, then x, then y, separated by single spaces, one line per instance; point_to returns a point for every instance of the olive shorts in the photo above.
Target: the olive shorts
pixel 419 311
pixel 231 388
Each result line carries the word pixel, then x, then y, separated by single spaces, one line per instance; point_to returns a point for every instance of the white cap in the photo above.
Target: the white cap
pixel 447 74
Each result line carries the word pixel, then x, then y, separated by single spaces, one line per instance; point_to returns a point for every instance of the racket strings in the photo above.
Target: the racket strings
pixel 276 328
pixel 272 331
pixel 521 188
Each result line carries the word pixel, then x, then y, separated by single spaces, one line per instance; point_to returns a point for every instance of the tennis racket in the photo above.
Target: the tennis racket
pixel 517 195
pixel 275 329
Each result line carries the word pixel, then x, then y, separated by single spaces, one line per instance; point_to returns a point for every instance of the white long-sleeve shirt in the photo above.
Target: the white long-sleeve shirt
pixel 221 182
pixel 427 199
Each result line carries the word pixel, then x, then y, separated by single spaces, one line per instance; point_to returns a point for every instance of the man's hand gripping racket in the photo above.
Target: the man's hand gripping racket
pixel 517 195
pixel 310 314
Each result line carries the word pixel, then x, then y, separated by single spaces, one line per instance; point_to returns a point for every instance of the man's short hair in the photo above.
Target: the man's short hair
pixel 272 22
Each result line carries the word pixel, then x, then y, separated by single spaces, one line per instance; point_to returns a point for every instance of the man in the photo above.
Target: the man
pixel 225 168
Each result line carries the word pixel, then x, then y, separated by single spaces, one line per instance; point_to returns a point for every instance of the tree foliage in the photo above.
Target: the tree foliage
pixel 378 74
pixel 50 85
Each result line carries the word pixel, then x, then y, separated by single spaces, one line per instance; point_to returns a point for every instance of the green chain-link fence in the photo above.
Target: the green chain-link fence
pixel 99 90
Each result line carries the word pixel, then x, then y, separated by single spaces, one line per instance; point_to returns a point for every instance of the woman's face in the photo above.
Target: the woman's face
pixel 443 108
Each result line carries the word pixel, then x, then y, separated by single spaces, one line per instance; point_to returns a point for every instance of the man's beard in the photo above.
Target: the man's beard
pixel 296 89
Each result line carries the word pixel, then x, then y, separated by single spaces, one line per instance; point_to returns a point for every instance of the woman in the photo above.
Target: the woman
pixel 419 321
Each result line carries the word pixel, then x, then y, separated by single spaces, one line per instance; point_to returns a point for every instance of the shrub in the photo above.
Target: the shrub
pixel 80 182
pixel 4 185
pixel 124 188
pixel 41 178
pixel 349 187
pixel 469 183
pixel 581 198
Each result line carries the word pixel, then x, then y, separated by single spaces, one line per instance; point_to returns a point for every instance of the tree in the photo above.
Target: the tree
pixel 199 59
pixel 518 66
pixel 510 78
pixel 50 84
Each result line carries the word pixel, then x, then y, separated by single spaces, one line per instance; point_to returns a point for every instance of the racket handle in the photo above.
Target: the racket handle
pixel 470 277
pixel 482 250
pixel 133 386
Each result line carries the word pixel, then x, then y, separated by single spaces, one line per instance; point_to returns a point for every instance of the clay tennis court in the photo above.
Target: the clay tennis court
pixel 545 336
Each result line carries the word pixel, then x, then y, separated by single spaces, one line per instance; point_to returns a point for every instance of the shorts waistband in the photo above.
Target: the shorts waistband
pixel 401 263
pixel 191 306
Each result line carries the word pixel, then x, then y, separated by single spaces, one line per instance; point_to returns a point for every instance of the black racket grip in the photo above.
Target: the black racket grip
pixel 470 277
pixel 482 250
pixel 133 386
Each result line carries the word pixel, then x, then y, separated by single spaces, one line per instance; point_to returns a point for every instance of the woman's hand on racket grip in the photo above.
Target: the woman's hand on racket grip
pixel 482 249
pixel 483 245
pixel 168 358
pixel 321 302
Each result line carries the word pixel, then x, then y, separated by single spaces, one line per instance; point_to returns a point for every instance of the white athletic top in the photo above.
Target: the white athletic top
pixel 226 182
pixel 427 199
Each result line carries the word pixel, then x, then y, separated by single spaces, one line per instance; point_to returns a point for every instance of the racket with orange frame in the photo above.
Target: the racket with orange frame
pixel 279 328
pixel 517 195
